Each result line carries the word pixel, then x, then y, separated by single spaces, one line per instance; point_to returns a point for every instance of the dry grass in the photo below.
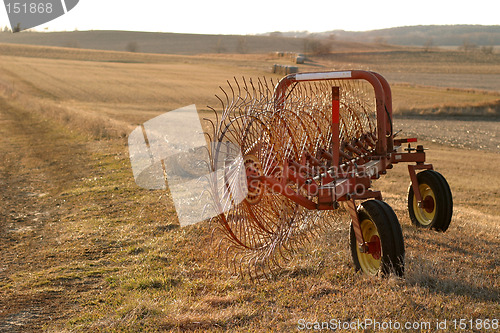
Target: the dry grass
pixel 132 93
pixel 415 99
pixel 84 248
pixel 416 61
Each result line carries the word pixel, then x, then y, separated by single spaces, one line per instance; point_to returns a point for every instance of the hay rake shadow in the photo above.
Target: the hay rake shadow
pixel 311 147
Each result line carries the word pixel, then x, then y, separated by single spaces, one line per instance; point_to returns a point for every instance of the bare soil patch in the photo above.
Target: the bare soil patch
pixel 462 132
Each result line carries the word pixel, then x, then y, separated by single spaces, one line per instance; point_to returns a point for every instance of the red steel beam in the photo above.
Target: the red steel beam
pixel 335 128
pixel 373 79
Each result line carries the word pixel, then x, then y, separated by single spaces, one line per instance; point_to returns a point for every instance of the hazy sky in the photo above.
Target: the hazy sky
pixel 257 16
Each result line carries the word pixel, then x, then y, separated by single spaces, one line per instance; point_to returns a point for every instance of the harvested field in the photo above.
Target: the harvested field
pixel 83 248
pixel 486 81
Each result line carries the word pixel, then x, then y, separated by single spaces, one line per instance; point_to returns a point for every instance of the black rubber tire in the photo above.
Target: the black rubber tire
pixel 443 202
pixel 390 234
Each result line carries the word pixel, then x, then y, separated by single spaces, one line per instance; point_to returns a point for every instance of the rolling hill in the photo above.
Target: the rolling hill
pixel 170 43
pixel 438 35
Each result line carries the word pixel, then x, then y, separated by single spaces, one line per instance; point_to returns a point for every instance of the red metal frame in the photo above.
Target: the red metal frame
pixel 378 83
pixel 335 128
pixel 352 180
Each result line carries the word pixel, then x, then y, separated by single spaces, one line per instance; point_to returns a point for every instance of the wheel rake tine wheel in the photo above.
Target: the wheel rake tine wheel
pixel 263 235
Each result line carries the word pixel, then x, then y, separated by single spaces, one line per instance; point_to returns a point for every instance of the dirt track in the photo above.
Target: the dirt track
pixel 36 163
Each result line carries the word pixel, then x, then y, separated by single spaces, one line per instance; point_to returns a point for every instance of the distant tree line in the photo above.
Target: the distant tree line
pixel 17 28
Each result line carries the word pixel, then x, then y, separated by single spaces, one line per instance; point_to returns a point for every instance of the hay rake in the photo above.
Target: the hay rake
pixel 311 146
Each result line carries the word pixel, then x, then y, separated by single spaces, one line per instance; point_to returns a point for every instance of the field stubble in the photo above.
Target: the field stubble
pixel 83 248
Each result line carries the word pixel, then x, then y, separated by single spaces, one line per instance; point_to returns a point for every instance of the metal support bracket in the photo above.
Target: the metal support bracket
pixel 414 181
pixel 356 225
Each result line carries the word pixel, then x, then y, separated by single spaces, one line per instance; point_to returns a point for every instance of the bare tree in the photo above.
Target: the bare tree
pixel 429 45
pixel 242 46
pixel 132 47
pixel 468 46
pixel 219 47
pixel 317 46
pixel 487 49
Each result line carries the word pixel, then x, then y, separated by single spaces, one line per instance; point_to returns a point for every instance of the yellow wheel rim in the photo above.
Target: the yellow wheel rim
pixel 425 214
pixel 370 262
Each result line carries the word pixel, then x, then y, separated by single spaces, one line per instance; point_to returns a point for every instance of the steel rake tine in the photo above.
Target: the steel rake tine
pixel 222 104
pixel 303 126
